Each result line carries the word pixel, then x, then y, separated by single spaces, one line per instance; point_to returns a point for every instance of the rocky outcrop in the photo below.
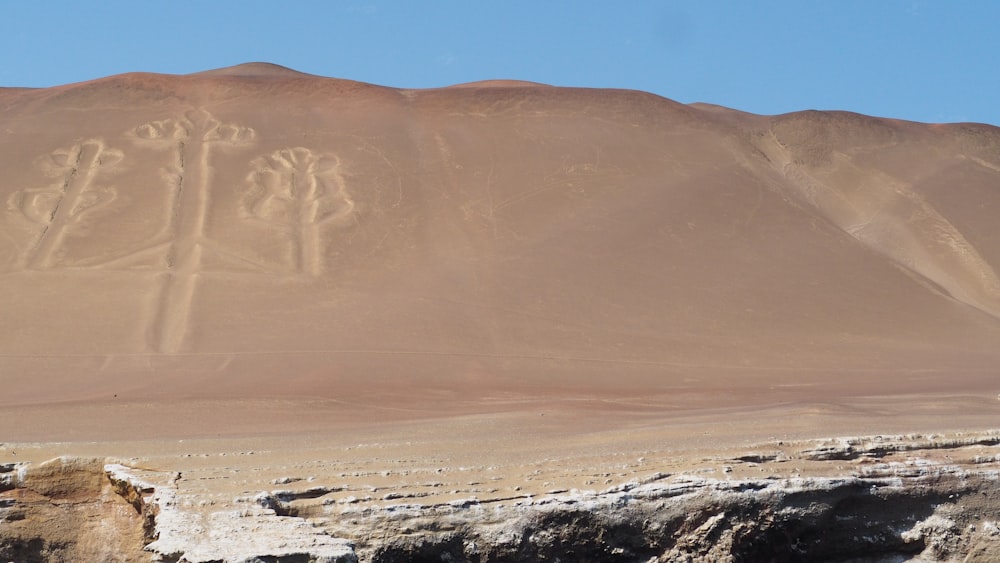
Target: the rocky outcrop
pixel 66 510
pixel 940 515
pixel 865 499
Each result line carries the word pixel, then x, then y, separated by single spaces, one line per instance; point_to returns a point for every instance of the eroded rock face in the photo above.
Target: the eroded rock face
pixel 708 520
pixel 67 510
pixel 901 498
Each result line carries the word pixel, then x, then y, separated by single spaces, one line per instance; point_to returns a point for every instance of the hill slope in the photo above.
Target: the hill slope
pixel 237 224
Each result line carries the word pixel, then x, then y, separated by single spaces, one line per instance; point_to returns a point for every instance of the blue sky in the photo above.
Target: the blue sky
pixel 920 60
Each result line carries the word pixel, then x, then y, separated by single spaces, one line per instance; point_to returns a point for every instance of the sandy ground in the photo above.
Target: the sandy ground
pixel 229 449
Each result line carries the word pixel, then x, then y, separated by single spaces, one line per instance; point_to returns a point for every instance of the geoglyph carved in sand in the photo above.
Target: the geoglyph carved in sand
pixel 298 192
pixel 69 201
pixel 193 139
pixel 295 191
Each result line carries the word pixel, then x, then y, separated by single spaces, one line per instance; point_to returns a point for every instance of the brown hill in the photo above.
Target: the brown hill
pixel 258 233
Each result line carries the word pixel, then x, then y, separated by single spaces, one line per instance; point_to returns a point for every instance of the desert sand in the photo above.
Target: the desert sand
pixel 253 279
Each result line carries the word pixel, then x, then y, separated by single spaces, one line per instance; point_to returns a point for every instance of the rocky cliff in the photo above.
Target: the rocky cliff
pixel 884 498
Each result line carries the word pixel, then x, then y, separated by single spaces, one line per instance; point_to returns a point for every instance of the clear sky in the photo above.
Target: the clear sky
pixel 919 60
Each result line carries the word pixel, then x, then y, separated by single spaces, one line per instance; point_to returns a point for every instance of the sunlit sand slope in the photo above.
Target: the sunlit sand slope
pixel 257 232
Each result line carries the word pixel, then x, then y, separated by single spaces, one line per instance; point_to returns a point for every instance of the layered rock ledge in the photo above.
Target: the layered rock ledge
pixel 879 498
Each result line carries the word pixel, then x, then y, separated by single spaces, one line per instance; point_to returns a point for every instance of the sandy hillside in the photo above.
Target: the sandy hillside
pixel 496 274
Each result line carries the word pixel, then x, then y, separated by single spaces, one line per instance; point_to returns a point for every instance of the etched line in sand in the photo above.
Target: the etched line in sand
pixel 170 135
pixel 190 213
pixel 61 206
pixel 300 192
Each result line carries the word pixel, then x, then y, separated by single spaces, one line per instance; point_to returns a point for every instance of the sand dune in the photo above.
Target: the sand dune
pixel 183 255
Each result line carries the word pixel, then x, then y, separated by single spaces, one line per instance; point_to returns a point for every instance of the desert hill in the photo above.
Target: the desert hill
pixel 505 320
pixel 267 232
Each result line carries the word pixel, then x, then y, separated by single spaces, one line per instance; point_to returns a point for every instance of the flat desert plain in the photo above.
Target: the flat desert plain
pixel 251 279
